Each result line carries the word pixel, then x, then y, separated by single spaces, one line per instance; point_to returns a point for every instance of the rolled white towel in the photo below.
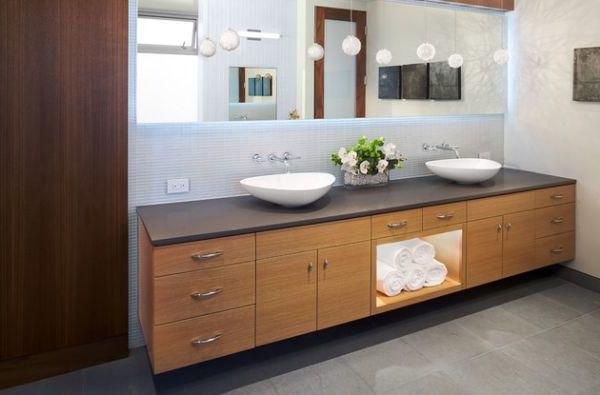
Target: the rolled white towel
pixel 422 251
pixel 390 281
pixel 436 273
pixel 395 255
pixel 416 278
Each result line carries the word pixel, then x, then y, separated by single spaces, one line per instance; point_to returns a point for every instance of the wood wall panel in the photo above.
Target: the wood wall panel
pixel 63 172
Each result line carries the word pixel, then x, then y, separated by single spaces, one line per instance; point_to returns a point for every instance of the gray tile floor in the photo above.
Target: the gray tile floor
pixel 535 335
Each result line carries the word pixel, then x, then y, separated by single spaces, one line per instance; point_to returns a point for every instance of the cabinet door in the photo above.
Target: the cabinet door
pixel 344 284
pixel 519 243
pixel 484 251
pixel 286 297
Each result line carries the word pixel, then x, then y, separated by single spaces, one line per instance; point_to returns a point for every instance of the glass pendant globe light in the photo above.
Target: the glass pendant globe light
pixel 315 51
pixel 230 39
pixel 351 44
pixel 207 47
pixel 502 56
pixel 455 60
pixel 426 51
pixel 383 57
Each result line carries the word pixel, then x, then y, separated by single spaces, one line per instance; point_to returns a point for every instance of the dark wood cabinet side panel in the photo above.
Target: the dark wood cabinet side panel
pixel 63 173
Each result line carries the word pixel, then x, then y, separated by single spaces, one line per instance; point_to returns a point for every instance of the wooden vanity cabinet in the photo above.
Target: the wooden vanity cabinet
pixel 484 251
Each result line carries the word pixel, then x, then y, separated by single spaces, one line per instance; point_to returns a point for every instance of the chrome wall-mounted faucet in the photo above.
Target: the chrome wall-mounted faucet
pixel 442 147
pixel 283 158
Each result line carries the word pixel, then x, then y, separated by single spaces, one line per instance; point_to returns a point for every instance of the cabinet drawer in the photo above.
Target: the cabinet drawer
pixel 186 295
pixel 555 249
pixel 214 335
pixel 554 220
pixel 500 205
pixel 397 223
pixel 554 196
pixel 311 237
pixel 444 215
pixel 203 254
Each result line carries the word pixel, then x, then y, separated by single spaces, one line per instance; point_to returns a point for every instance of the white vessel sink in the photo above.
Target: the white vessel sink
pixel 289 189
pixel 465 171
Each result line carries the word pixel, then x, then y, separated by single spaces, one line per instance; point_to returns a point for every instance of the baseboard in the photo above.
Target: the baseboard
pixel 576 277
pixel 39 366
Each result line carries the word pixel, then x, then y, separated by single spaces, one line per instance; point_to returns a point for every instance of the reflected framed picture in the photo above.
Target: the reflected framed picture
pixel 445 83
pixel 389 82
pixel 586 81
pixel 415 81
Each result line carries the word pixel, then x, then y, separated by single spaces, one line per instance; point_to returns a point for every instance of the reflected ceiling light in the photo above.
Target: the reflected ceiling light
pixel 253 34
pixel 426 51
pixel 351 45
pixel 456 61
pixel 229 40
pixel 207 48
pixel 501 56
pixel 383 57
pixel 315 52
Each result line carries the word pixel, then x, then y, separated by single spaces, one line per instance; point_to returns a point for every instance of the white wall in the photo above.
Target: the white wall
pixel 546 131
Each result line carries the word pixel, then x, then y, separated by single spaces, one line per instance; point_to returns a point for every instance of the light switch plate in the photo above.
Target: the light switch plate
pixel 178 185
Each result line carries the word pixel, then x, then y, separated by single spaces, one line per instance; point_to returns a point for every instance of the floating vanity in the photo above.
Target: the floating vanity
pixel 221 276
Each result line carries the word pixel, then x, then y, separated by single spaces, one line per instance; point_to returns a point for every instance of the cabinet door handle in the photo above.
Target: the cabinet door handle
pixel 310 266
pixel 205 256
pixel 325 263
pixel 508 227
pixel 557 221
pixel 201 342
pixel 446 216
pixel 557 251
pixel 557 197
pixel 499 228
pixel 206 295
pixel 397 225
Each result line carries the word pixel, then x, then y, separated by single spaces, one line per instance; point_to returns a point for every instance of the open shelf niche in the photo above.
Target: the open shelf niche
pixel 450 249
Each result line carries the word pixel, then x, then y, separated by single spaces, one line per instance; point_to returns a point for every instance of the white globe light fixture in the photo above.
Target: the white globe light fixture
pixel 383 57
pixel 456 61
pixel 501 56
pixel 315 52
pixel 351 45
pixel 207 48
pixel 229 40
pixel 426 51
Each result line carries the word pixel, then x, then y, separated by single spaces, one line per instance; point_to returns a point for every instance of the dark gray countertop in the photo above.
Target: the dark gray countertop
pixel 206 219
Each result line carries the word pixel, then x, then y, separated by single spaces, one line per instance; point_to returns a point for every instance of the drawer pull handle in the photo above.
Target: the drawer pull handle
pixel 557 197
pixel 397 225
pixel 445 216
pixel 310 266
pixel 206 295
pixel 201 342
pixel 325 263
pixel 557 251
pixel 206 256
pixel 557 221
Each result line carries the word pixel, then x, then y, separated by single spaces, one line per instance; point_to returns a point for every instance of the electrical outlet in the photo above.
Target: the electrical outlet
pixel 485 155
pixel 178 185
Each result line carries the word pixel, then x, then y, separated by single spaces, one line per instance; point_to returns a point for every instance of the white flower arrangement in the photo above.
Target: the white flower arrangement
pixel 369 157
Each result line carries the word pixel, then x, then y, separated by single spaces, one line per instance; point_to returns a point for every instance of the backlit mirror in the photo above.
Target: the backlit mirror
pixel 263 69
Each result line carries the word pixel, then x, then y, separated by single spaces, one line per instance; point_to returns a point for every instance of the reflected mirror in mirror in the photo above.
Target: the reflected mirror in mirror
pixel 252 94
pixel 281 79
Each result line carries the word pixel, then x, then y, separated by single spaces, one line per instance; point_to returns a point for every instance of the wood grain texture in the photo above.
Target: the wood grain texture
pixel 554 220
pixel 172 342
pixel 63 171
pixel 172 294
pixel 312 237
pixel 547 249
pixel 360 18
pixel 444 215
pixel 344 285
pixel 555 196
pixel 500 205
pixel 409 221
pixel 518 250
pixel 503 5
pixel 286 297
pixel 484 251
pixel 178 258
pixel 145 286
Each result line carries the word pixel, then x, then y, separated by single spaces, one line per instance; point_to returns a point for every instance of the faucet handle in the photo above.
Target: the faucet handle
pixel 288 156
pixel 258 158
